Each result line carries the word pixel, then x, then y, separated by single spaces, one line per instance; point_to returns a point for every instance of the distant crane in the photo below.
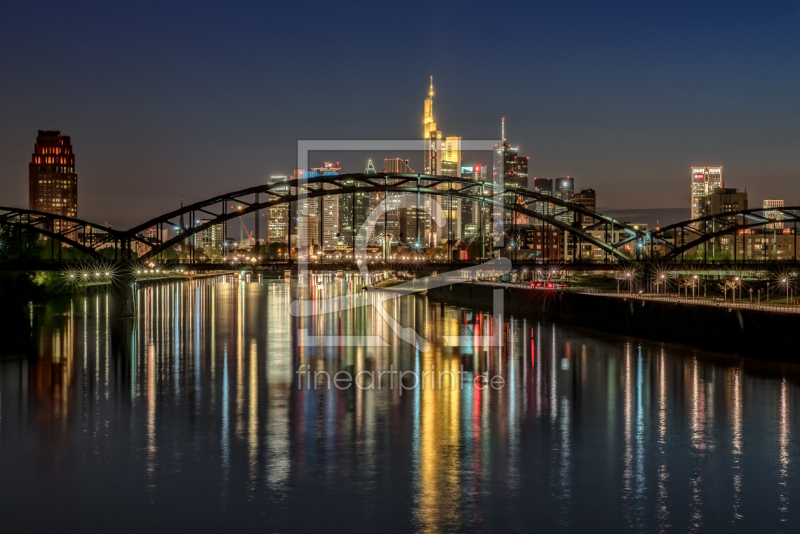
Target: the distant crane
pixel 244 226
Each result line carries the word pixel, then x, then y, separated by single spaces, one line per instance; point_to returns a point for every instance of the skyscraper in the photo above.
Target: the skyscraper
pixel 430 135
pixel 397 166
pixel 511 170
pixel 564 190
pixel 354 208
pixel 329 229
pixel 278 216
pixel 544 186
pixel 472 213
pixel 53 183
pixel 588 199
pixel 442 158
pixel 450 165
pixel 704 181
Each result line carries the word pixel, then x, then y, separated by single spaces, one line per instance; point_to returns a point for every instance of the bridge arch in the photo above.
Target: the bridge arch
pixel 65 229
pixel 704 229
pixel 290 191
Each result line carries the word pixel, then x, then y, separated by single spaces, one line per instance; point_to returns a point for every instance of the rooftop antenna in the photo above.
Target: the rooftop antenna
pixel 503 129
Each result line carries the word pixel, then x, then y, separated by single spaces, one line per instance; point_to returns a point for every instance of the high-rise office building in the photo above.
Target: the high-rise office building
pixel 704 181
pixel 431 136
pixel 724 200
pixel 397 166
pixel 588 199
pixel 511 170
pixel 771 204
pixel 564 189
pixel 354 208
pixel 211 239
pixel 544 186
pixel 329 216
pixel 442 158
pixel 278 216
pixel 53 183
pixel 472 213
pixel 450 165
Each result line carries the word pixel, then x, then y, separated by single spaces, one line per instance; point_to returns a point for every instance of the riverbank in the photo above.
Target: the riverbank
pixel 749 332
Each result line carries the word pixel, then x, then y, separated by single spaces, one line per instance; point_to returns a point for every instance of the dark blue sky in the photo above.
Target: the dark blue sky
pixel 198 98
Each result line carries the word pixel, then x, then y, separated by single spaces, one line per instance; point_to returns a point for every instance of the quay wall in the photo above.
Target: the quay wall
pixel 763 334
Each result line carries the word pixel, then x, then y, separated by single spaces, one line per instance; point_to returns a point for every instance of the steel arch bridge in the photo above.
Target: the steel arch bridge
pixel 687 235
pixel 67 230
pixel 677 238
pixel 215 209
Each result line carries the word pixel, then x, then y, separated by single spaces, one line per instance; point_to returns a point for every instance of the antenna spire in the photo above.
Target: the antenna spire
pixel 503 129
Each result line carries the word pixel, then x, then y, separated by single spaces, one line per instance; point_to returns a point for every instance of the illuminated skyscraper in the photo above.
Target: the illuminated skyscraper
pixel 53 183
pixel 450 165
pixel 472 213
pixel 511 170
pixel 429 125
pixel 431 136
pixel 278 216
pixel 564 190
pixel 704 181
pixel 329 229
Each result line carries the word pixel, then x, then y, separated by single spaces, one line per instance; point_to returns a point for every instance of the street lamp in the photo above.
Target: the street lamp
pixel 630 288
pixel 694 287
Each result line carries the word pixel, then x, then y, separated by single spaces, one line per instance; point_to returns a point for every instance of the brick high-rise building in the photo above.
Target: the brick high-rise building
pixel 53 183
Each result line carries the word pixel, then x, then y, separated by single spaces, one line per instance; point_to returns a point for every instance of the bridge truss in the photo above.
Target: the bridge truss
pixel 220 209
pixel 677 239
pixel 685 236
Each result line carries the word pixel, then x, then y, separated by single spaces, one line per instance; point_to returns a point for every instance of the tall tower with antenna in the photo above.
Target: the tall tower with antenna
pixel 431 136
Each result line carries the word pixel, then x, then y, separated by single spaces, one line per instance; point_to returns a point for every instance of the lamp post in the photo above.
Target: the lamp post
pixel 630 288
pixel 694 287
pixel 785 281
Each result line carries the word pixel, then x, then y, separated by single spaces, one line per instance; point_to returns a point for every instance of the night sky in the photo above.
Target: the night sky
pixel 201 98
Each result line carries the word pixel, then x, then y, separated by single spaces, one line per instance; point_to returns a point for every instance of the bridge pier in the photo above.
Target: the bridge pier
pixel 123 288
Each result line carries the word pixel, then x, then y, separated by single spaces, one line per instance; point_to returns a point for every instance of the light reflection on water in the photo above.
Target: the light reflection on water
pixel 193 415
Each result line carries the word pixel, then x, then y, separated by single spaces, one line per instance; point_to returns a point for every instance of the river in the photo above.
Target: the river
pixel 202 413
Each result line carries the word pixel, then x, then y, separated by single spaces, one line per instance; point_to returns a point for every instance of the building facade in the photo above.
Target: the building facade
pixel 771 204
pixel 510 170
pixel 588 199
pixel 278 216
pixel 53 182
pixel 704 181
pixel 211 240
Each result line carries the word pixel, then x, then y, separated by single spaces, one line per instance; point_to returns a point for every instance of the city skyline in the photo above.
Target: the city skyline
pixel 623 119
pixel 415 267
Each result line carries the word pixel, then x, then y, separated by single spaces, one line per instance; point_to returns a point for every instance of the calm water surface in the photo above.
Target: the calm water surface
pixel 192 417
